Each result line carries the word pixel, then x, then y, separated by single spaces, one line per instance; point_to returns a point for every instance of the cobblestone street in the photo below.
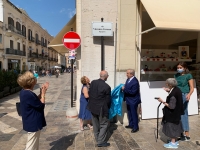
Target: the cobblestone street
pixel 60 134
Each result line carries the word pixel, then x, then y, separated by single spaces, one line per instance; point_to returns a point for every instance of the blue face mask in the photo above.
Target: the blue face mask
pixel 180 70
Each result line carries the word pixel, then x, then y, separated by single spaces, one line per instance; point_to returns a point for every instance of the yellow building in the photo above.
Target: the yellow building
pixel 23 42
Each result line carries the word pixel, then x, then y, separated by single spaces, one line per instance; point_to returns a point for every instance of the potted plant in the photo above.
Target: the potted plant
pixel 2 84
pixel 13 81
pixel 6 78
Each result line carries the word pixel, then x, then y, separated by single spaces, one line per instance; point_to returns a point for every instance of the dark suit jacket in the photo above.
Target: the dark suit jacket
pixel 32 111
pixel 99 97
pixel 132 92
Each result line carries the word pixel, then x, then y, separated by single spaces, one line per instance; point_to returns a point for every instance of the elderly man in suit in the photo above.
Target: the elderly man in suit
pixel 99 105
pixel 131 91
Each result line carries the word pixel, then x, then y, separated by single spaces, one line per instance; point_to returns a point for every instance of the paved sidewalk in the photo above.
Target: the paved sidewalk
pixel 60 134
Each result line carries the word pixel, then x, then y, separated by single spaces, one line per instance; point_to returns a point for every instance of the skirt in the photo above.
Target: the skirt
pixel 172 130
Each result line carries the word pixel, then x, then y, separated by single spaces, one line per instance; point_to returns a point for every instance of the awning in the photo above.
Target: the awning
pixel 56 43
pixel 174 14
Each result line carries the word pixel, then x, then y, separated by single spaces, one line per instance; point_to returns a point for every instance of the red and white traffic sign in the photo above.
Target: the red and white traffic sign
pixel 71 40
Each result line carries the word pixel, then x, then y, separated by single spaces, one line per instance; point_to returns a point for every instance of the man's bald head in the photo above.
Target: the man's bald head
pixel 104 75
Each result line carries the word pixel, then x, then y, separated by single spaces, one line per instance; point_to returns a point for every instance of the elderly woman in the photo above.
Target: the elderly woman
pixel 172 111
pixel 32 108
pixel 84 114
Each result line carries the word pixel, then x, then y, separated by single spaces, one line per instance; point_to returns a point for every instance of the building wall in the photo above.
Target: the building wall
pixel 9 10
pixel 89 54
pixel 120 50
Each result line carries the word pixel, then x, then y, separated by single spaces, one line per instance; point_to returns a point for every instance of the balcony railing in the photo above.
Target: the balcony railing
pixel 13 29
pixel 15 52
pixel 31 38
pixel 38 42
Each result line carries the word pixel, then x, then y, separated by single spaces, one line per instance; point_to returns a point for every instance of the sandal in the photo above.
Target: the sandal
pixel 91 127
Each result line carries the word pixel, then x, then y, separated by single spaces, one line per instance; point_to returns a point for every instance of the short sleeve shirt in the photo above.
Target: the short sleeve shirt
pixel 182 82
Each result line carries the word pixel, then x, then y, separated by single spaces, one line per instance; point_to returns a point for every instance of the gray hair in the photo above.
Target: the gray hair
pixel 132 71
pixel 103 74
pixel 171 81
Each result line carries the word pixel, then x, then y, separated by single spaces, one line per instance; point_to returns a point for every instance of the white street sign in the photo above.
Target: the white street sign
pixel 72 54
pixel 102 29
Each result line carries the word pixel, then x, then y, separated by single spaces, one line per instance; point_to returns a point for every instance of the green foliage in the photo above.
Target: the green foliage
pixel 8 78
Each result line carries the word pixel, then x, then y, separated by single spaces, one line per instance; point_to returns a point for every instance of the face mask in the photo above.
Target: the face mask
pixel 180 70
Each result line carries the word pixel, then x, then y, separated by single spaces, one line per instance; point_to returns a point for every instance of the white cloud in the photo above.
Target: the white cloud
pixel 63 10
pixel 69 12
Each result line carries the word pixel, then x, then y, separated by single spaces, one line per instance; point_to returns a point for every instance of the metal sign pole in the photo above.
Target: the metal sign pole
pixel 158 119
pixel 72 79
pixel 102 51
pixel 72 82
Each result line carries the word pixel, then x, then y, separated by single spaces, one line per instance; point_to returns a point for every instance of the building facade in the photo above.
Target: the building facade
pixel 23 42
pixel 148 36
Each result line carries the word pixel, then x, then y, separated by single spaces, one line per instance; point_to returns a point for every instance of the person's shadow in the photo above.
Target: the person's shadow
pixel 63 143
pixel 112 127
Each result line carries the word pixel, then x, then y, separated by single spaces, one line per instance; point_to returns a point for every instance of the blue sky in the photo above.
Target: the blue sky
pixel 52 15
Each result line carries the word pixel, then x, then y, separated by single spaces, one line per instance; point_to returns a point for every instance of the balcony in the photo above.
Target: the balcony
pixel 33 55
pixel 30 38
pixel 13 29
pixel 15 52
pixel 38 42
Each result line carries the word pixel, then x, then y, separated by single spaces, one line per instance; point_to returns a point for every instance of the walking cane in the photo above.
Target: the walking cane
pixel 158 118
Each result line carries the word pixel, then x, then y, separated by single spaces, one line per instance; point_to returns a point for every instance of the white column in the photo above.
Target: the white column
pixel 1 11
pixel 5 64
pixel 198 49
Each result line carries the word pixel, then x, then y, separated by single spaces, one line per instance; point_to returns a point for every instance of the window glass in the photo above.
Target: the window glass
pixel 11 44
pixel 18 45
pixel 0 38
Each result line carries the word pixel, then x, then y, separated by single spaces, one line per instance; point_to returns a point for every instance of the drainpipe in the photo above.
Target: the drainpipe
pixel 115 65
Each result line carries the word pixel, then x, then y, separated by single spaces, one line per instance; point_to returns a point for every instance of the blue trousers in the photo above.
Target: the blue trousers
pixel 184 118
pixel 133 116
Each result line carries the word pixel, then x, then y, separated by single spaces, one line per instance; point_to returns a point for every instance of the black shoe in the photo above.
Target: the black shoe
pixel 184 138
pixel 135 130
pixel 103 145
pixel 128 127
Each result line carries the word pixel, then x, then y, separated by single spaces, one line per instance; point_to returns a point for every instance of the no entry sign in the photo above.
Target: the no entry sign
pixel 71 40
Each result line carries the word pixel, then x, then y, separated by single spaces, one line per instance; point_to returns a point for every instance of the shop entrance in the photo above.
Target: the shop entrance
pixel 13 64
pixel 161 50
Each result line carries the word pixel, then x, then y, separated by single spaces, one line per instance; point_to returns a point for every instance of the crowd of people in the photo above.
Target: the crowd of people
pixel 95 102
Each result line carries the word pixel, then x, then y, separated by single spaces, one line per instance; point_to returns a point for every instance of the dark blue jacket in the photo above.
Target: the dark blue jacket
pixel 32 111
pixel 132 92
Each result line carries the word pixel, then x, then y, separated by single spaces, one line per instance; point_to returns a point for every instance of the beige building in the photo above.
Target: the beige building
pixel 148 36
pixel 23 42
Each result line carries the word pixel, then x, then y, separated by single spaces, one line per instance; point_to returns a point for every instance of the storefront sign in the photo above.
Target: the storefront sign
pixel 16 61
pixel 102 29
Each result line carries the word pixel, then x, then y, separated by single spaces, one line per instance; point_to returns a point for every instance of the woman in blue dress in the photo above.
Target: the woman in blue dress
pixel 84 113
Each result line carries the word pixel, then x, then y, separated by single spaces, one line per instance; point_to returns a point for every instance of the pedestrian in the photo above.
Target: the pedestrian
pixel 57 73
pixel 47 73
pixel 32 109
pixel 43 72
pixel 172 111
pixel 35 74
pixel 84 114
pixel 131 91
pixel 186 85
pixel 99 105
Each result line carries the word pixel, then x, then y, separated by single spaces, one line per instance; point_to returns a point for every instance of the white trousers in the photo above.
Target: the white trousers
pixel 33 141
